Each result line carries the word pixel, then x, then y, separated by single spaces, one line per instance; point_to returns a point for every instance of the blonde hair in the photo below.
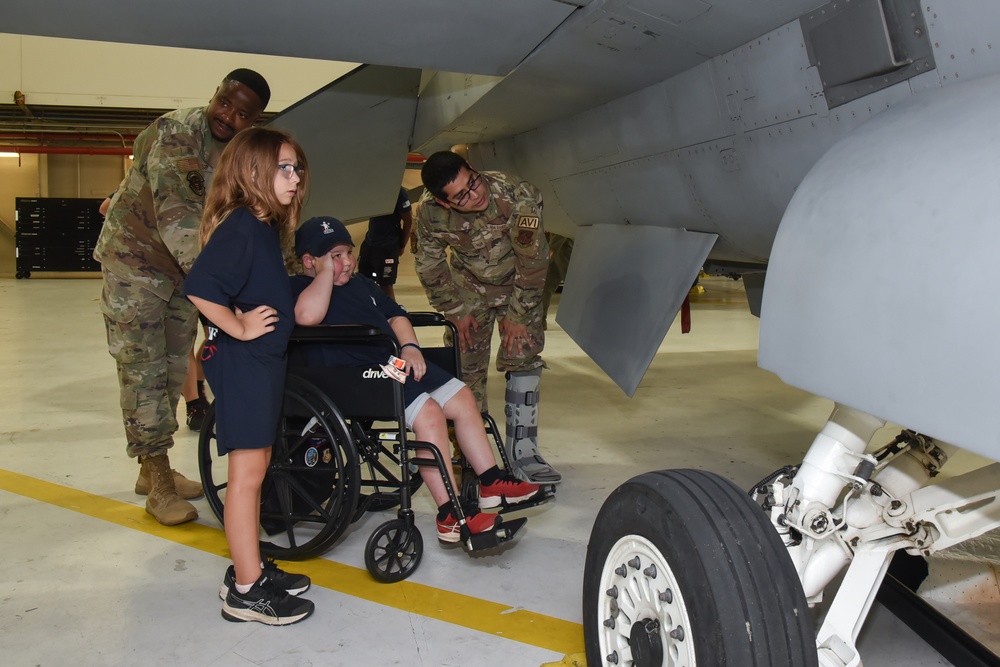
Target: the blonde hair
pixel 244 178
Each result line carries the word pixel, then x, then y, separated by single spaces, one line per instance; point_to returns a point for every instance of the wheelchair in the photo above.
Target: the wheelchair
pixel 342 450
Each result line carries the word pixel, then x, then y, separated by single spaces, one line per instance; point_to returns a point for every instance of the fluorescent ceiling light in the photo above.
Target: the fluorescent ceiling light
pixel 9 154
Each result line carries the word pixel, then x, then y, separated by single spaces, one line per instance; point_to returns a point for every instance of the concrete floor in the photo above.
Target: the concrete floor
pixel 89 579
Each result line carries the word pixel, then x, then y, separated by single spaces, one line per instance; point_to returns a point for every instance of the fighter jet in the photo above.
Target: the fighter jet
pixel 837 150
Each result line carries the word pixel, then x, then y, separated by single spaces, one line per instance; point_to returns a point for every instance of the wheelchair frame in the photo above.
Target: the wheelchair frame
pixel 328 470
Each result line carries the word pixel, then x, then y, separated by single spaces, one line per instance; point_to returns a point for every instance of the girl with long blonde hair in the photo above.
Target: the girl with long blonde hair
pixel 240 284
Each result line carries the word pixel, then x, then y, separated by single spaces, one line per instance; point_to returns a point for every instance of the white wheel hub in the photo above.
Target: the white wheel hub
pixel 644 619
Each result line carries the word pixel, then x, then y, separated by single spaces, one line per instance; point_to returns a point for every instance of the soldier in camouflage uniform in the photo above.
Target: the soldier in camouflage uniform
pixel 148 243
pixel 491 225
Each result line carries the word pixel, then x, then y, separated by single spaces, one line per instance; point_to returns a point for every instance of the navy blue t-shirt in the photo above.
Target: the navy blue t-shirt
pixel 242 267
pixel 385 231
pixel 361 301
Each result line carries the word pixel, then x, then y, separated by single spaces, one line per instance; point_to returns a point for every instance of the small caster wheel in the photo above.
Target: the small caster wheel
pixel 393 551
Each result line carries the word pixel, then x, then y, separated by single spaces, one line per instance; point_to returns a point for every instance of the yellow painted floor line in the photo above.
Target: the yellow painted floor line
pixel 466 611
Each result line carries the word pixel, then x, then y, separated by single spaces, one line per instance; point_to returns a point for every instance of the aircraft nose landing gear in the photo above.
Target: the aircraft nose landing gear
pixel 683 569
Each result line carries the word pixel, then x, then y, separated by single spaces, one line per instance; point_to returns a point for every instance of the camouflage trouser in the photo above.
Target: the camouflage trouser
pixel 150 339
pixel 560 251
pixel 476 361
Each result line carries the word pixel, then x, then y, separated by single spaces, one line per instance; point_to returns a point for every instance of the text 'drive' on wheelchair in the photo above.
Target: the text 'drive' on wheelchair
pixel 331 463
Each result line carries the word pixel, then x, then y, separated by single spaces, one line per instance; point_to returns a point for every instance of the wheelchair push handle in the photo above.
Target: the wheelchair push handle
pixel 335 333
pixel 427 319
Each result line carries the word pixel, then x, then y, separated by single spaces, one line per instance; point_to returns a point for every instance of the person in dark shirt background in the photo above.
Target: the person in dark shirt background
pixel 387 238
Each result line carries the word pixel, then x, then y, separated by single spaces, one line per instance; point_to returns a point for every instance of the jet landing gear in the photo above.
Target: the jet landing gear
pixel 684 569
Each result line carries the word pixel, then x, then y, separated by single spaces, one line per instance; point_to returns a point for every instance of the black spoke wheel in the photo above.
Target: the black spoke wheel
pixel 393 551
pixel 311 489
pixel 684 569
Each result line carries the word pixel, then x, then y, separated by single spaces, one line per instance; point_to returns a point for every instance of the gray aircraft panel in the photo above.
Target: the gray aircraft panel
pixel 480 36
pixel 719 147
pixel 875 294
pixel 609 49
pixel 355 133
pixel 624 286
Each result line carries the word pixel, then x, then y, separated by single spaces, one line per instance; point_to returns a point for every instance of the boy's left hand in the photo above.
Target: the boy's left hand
pixel 415 363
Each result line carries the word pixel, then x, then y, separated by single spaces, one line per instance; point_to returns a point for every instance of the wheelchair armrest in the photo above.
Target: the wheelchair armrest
pixel 426 319
pixel 336 333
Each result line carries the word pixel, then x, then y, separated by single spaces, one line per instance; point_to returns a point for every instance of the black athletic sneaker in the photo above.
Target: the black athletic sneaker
pixel 265 603
pixel 293 584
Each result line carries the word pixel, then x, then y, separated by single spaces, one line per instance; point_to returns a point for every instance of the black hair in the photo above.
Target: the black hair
pixel 440 169
pixel 253 81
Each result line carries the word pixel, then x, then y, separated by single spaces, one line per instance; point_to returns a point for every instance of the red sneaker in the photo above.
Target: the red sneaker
pixel 450 531
pixel 508 489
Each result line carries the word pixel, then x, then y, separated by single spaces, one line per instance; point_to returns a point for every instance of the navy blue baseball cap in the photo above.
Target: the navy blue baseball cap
pixel 317 235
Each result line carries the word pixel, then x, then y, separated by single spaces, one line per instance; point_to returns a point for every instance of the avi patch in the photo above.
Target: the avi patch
pixel 527 222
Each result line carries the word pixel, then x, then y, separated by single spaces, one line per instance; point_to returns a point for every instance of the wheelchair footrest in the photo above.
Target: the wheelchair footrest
pixel 546 492
pixel 505 532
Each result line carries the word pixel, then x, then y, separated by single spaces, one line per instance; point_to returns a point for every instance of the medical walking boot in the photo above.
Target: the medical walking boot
pixel 521 444
pixel 186 488
pixel 163 502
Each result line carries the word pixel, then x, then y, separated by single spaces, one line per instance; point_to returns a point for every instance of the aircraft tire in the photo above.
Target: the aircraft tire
pixel 683 568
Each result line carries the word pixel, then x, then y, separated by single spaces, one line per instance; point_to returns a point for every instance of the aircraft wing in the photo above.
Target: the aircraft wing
pixel 356 133
pixel 697 117
pixel 479 36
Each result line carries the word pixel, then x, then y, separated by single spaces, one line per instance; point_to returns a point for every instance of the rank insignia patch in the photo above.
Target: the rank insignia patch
pixel 196 182
pixel 187 164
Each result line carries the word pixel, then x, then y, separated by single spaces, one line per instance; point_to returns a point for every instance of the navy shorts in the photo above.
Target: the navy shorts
pixel 379 263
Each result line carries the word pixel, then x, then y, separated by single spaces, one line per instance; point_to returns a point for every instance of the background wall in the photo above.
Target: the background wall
pixel 50 71
pixel 51 176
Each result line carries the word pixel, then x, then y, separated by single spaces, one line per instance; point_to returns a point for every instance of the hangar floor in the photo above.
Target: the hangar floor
pixel 89 579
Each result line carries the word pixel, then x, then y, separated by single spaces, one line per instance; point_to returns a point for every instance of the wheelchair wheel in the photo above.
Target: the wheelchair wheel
pixel 311 488
pixel 212 467
pixel 393 551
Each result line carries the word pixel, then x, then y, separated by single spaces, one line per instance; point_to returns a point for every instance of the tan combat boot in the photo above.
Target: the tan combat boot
pixel 163 502
pixel 186 488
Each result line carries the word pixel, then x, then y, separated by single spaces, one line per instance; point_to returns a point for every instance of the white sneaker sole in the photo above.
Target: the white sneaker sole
pixel 496 501
pixel 449 538
pixel 294 592
pixel 246 615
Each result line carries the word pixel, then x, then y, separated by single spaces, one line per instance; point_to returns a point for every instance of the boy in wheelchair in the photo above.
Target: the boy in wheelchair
pixel 330 292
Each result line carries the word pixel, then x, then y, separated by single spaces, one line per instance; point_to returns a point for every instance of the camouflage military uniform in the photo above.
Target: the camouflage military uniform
pixel 499 259
pixel 148 242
